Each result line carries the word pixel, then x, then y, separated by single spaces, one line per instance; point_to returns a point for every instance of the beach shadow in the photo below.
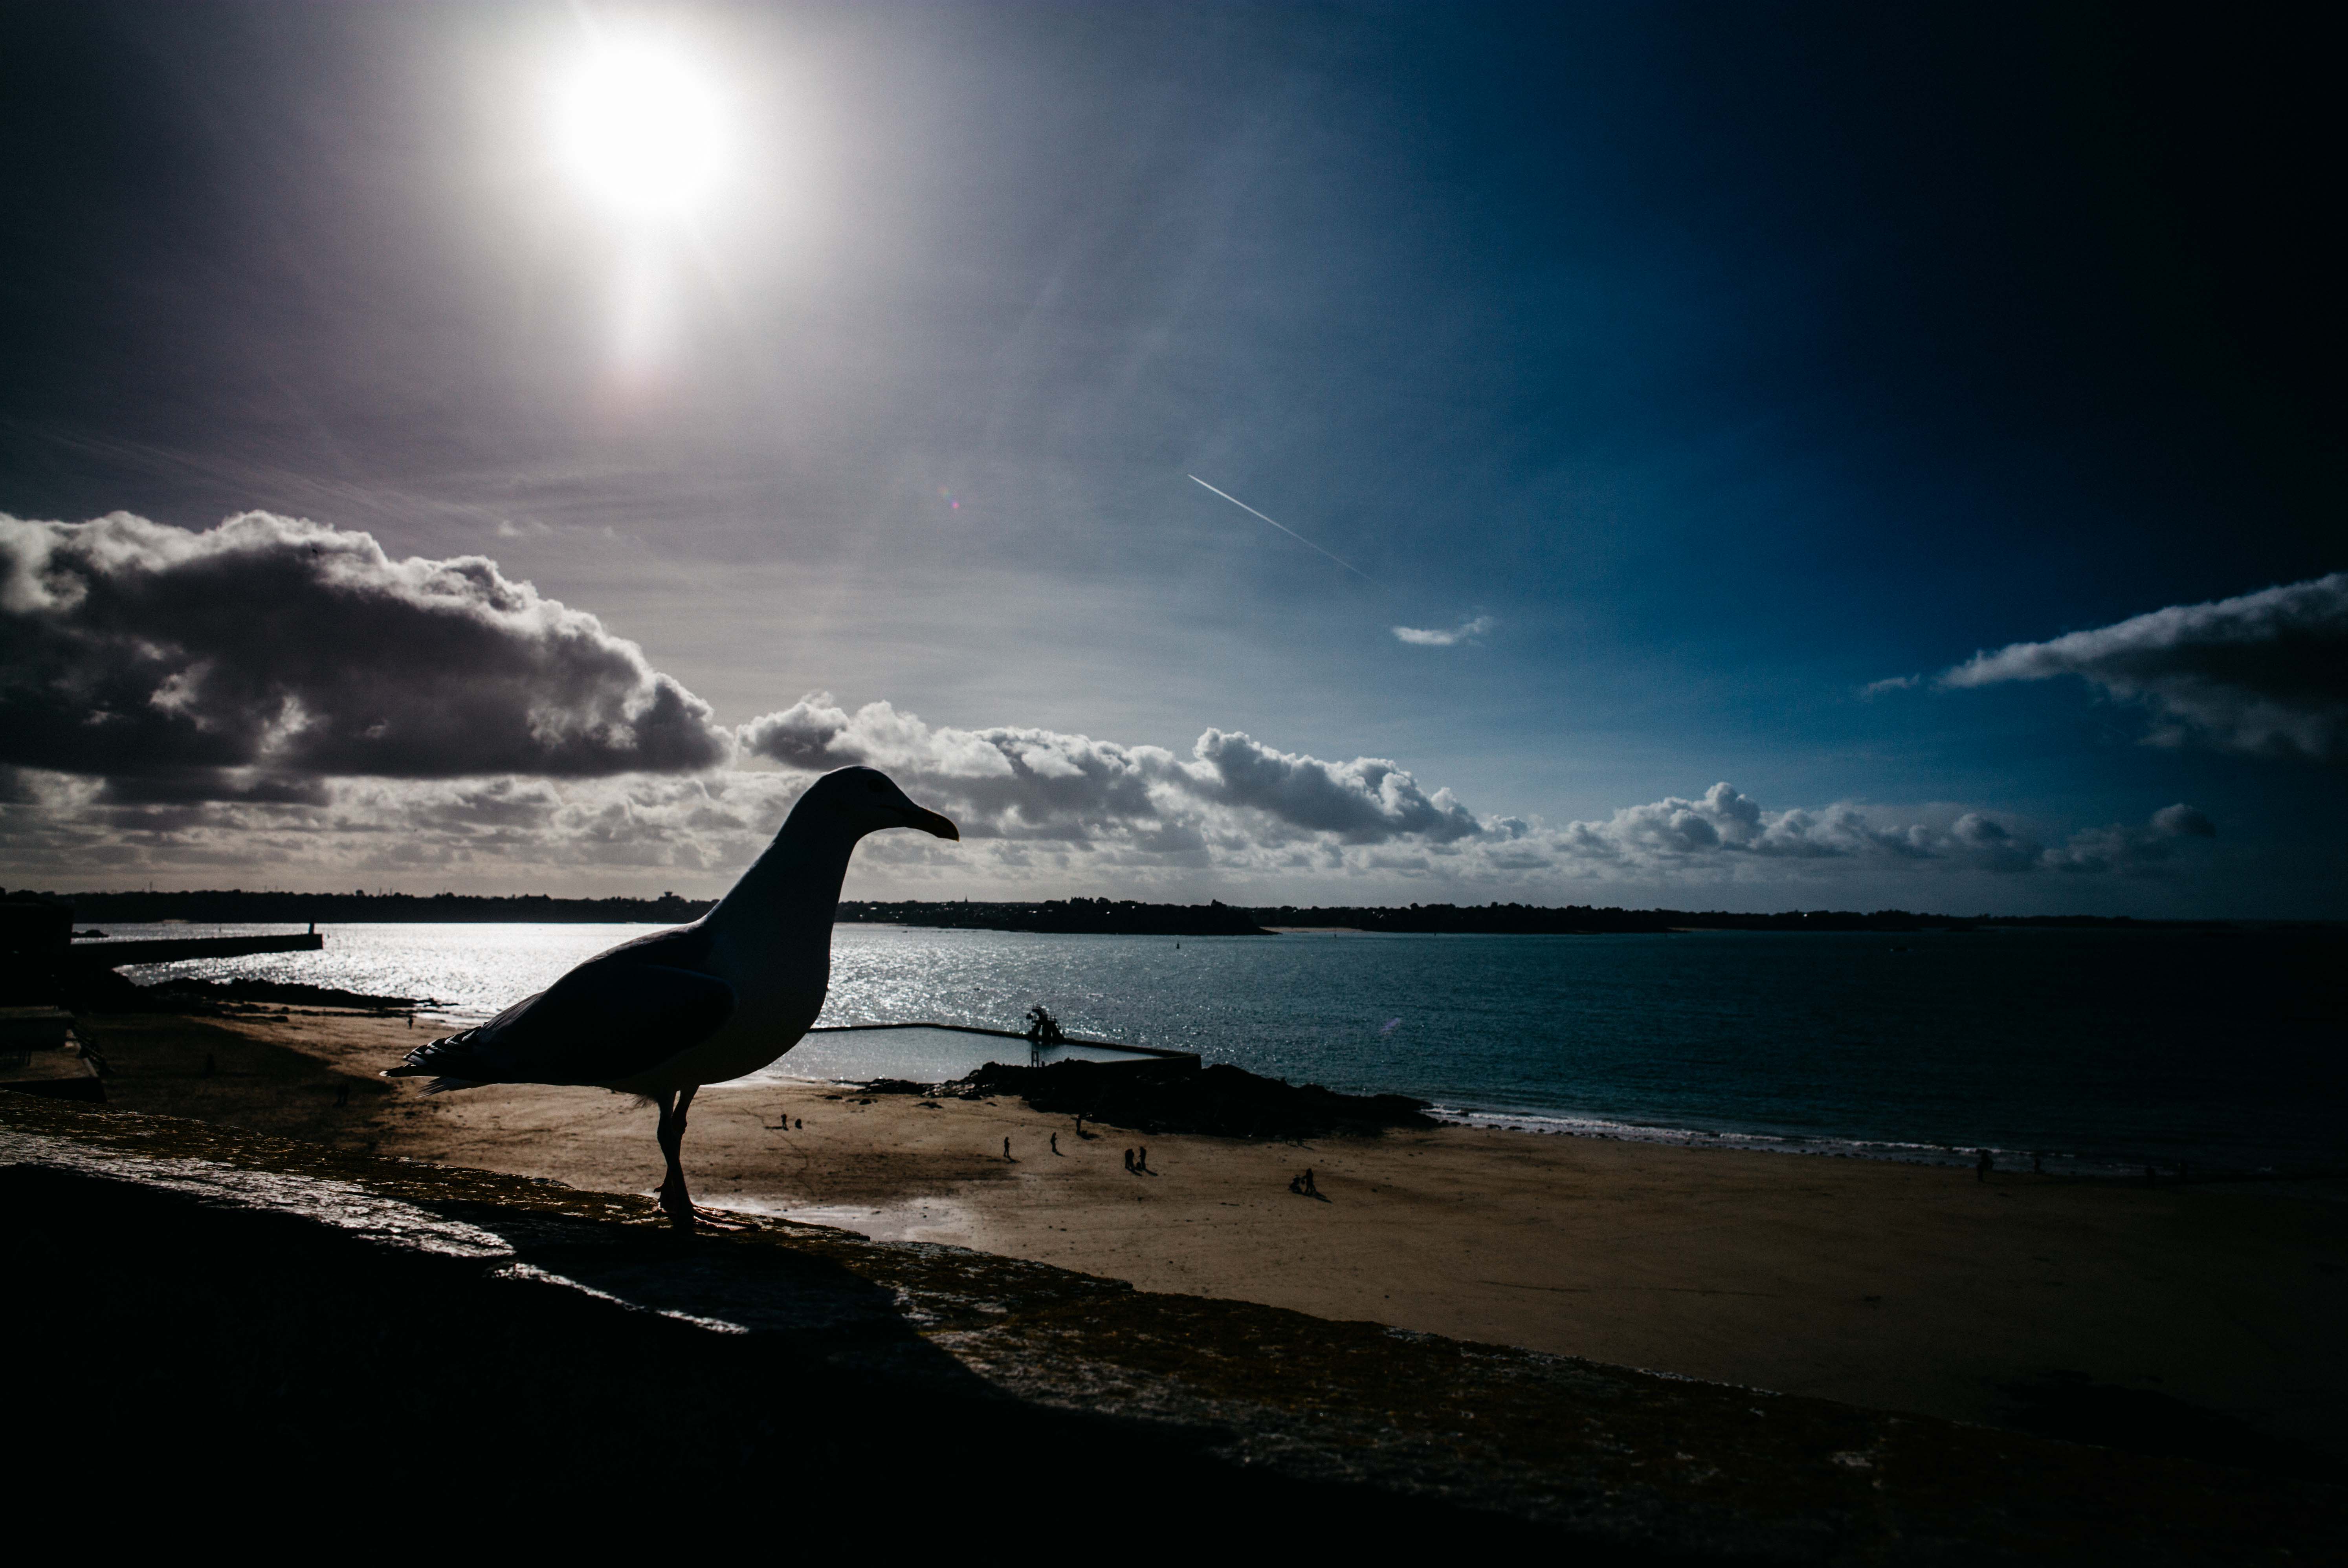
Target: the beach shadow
pixel 599 1361
pixel 2073 1407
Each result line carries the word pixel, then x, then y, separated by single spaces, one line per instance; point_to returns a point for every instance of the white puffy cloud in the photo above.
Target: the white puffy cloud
pixel 1012 782
pixel 2266 672
pixel 255 659
pixel 1237 805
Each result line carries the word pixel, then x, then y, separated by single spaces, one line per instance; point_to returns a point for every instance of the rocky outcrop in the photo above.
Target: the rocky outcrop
pixel 1179 1095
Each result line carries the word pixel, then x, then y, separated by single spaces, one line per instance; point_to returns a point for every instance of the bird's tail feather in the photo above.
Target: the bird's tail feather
pixel 450 1061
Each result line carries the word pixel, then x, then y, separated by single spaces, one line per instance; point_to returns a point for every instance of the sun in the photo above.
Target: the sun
pixel 640 129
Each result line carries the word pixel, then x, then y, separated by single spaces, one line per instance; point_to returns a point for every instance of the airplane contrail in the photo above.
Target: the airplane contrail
pixel 1284 528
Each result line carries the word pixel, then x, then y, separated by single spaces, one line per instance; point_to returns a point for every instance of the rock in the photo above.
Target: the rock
pixel 1178 1095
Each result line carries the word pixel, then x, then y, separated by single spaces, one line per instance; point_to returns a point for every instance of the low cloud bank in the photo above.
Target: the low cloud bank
pixel 2265 674
pixel 1070 811
pixel 1722 826
pixel 1237 804
pixel 253 660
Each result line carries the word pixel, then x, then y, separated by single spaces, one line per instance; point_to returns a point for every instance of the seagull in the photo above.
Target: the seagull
pixel 667 1013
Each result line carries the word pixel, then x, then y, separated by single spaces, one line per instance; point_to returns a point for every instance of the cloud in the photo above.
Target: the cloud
pixel 268 651
pixel 2265 674
pixel 1723 828
pixel 1465 632
pixel 278 699
pixel 1012 782
pixel 1036 806
pixel 1236 805
pixel 2132 850
pixel 1889 684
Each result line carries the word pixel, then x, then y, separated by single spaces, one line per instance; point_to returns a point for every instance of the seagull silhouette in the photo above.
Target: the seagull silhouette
pixel 667 1013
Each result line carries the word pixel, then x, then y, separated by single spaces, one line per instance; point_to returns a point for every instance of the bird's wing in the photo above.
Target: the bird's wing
pixel 605 1020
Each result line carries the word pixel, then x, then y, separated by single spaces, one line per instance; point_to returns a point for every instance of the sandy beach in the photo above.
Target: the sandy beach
pixel 1898 1286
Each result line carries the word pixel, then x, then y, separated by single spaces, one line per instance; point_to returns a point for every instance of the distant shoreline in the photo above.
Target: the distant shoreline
pixel 1073 916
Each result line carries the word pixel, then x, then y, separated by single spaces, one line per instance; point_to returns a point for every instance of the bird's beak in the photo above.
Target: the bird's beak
pixel 930 821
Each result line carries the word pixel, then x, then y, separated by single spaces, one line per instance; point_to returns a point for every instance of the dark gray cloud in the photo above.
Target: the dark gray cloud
pixel 2266 672
pixel 1725 831
pixel 247 661
pixel 2132 850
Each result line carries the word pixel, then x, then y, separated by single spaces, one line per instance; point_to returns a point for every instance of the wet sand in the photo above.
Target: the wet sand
pixel 1899 1286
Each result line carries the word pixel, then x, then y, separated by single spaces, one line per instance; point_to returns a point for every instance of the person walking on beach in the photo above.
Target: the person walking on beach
pixel 1006 1148
pixel 1129 1158
pixel 1312 1188
pixel 1141 1160
pixel 1056 1142
pixel 1983 1166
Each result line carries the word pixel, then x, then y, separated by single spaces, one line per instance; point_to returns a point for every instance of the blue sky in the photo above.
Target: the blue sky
pixel 1718 361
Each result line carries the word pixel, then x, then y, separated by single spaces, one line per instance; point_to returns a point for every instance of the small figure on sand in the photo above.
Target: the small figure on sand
pixel 1983 1166
pixel 1006 1148
pixel 1129 1158
pixel 1141 1161
pixel 1304 1186
pixel 1056 1142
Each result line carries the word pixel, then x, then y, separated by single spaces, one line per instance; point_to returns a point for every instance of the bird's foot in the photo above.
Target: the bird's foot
pixel 684 1215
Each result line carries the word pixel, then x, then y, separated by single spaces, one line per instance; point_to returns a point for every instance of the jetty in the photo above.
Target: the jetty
pixel 115 953
pixel 1031 1041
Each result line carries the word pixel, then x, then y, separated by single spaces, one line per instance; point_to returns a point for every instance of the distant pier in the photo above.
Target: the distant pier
pixel 114 955
pixel 1157 1051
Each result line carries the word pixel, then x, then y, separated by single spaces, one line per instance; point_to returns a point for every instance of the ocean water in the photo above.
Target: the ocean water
pixel 2095 1049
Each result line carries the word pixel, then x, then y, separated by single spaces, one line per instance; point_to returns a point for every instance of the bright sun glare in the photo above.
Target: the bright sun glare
pixel 639 128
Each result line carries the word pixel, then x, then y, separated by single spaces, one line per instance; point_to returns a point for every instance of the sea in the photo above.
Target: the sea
pixel 2222 1051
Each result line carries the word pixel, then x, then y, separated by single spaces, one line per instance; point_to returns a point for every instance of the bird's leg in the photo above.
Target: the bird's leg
pixel 674 1200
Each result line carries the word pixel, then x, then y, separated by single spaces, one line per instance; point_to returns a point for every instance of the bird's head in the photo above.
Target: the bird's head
pixel 866 800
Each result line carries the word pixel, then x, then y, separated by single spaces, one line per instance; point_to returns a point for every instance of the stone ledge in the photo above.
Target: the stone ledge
pixel 284 1293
